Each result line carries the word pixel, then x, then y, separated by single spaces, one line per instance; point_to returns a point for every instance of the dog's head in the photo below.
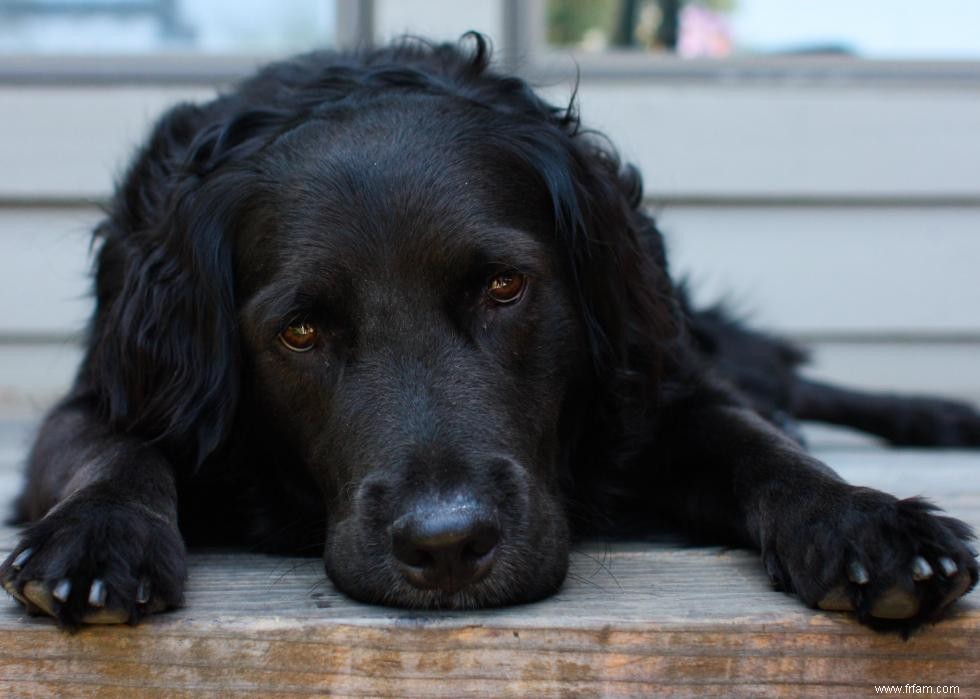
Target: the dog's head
pixel 425 285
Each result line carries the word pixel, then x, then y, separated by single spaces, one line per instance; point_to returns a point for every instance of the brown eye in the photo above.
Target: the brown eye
pixel 299 336
pixel 506 287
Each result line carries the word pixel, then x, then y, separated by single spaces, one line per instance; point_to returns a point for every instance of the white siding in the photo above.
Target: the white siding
pixel 44 259
pixel 806 270
pixel 805 141
pixel 826 270
pixel 847 216
pixel 698 142
pixel 72 143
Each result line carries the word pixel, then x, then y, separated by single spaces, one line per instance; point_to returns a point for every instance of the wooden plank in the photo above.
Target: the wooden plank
pixel 761 260
pixel 35 374
pixel 634 619
pixel 910 367
pixel 784 140
pixel 771 140
pixel 805 270
pixel 814 270
pixel 46 154
pixel 44 263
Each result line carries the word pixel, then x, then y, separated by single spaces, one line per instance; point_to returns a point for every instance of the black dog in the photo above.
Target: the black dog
pixel 396 308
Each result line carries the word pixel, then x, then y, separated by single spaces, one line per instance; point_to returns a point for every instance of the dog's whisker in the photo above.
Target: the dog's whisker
pixel 586 581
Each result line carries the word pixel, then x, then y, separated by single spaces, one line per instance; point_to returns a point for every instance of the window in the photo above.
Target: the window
pixel 165 26
pixel 875 29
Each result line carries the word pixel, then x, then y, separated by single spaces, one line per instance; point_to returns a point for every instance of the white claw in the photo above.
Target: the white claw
pixel 21 559
pixel 921 570
pixel 143 592
pixel 857 573
pixel 97 593
pixel 62 590
pixel 948 565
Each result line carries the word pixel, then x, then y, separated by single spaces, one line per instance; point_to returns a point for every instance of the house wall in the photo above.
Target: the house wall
pixel 844 215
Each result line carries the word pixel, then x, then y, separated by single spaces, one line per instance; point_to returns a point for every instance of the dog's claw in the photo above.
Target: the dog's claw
pixel 38 594
pixel 857 573
pixel 921 570
pixel 38 600
pixel 11 589
pixel 97 593
pixel 948 566
pixel 143 592
pixel 836 601
pixel 21 559
pixel 895 604
pixel 62 590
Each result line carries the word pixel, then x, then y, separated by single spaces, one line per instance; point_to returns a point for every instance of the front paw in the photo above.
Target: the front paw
pixel 94 560
pixel 896 563
pixel 933 422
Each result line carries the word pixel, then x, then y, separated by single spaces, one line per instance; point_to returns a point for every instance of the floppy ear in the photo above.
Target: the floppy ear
pixel 163 357
pixel 614 254
pixel 613 251
pixel 632 315
pixel 630 310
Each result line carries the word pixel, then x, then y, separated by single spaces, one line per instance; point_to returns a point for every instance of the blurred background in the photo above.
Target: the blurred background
pixel 815 164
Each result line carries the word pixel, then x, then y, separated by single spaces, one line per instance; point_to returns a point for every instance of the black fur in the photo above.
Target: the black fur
pixel 373 197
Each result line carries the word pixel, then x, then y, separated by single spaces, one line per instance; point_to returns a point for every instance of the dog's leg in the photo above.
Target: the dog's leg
pixel 838 546
pixel 902 420
pixel 103 545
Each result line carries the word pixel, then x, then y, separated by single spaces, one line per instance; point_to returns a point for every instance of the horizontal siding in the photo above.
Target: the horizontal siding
pixel 813 271
pixel 33 376
pixel 695 142
pixel 44 259
pixel 847 216
pixel 71 143
pixel 791 141
pixel 940 368
pixel 849 280
pixel 834 270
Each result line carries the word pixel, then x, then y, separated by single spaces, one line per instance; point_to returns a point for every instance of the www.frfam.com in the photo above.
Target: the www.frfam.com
pixel 917 689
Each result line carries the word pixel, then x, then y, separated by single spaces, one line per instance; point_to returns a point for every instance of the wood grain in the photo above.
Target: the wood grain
pixel 634 619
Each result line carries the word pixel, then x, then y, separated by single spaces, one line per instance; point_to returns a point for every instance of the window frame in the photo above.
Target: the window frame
pixel 520 48
pixel 525 22
pixel 354 27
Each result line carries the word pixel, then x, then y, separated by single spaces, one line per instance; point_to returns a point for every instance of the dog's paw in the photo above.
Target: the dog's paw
pixel 896 563
pixel 93 561
pixel 931 422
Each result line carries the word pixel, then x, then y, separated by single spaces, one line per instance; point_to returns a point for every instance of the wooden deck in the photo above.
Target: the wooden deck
pixel 632 620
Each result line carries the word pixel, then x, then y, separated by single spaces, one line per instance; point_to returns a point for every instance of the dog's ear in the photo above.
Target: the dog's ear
pixel 618 258
pixel 614 252
pixel 630 311
pixel 163 358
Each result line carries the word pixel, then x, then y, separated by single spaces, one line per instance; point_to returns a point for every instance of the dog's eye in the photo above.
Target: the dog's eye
pixel 299 336
pixel 507 287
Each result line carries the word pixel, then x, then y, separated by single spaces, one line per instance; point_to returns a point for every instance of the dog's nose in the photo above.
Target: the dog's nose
pixel 445 548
